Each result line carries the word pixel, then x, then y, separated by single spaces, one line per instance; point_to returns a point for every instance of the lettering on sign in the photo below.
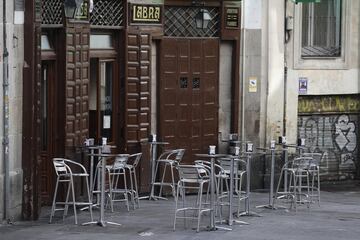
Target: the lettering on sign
pixel 146 14
pixel 232 17
pixel 82 13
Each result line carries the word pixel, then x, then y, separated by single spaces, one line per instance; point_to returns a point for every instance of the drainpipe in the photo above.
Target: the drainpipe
pixel 243 76
pixel 6 119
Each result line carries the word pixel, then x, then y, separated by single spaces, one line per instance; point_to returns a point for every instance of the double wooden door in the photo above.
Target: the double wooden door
pixel 188 94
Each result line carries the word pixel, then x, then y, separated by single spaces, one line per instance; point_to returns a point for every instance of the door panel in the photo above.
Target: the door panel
pixel 188 104
pixel 48 119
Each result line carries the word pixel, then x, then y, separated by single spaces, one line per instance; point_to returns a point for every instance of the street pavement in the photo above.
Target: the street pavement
pixel 338 217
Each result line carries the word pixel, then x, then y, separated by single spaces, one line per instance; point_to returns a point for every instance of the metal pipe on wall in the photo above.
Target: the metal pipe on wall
pixel 243 75
pixel 6 118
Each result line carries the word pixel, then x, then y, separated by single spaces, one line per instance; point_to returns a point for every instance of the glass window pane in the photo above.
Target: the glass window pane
pixel 106 99
pixel 45 43
pixel 101 41
pixel 321 29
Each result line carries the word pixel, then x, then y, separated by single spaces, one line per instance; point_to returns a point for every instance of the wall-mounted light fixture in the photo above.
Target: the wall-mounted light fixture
pixel 202 18
pixel 70 7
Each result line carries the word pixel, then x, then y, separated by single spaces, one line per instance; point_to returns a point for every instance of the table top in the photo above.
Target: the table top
pixel 158 143
pixel 109 154
pixel 211 155
pixel 267 149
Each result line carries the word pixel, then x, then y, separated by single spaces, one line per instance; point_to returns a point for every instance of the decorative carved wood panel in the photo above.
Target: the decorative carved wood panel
pixel 137 97
pixel 77 85
pixel 188 110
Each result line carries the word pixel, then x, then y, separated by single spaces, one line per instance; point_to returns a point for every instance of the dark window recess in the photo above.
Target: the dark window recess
pixel 180 22
pixel 183 82
pixel 196 83
pixel 321 29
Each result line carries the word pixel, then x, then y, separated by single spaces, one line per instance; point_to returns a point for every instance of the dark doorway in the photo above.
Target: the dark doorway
pixel 102 100
pixel 189 92
pixel 48 118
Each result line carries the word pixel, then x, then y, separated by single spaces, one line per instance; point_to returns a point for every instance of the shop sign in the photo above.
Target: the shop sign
pixel 146 14
pixel 82 13
pixel 232 17
pixel 38 10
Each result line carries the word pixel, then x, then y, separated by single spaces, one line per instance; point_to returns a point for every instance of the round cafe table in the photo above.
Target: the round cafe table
pixel 103 157
pixel 212 158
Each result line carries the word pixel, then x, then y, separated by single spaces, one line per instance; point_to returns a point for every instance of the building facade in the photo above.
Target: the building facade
pixel 184 70
pixel 12 62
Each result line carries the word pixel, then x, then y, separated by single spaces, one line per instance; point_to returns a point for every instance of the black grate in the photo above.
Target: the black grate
pixel 180 22
pixel 107 13
pixel 183 82
pixel 51 12
pixel 196 83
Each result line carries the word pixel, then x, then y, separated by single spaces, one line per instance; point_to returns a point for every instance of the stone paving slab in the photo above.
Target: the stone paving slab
pixel 338 217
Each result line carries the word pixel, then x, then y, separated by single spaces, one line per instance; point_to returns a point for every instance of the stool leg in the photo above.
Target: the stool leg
pixel 172 179
pixel 199 206
pixel 74 201
pixel 162 180
pixel 132 193
pixel 90 201
pixel 111 178
pixel 126 190
pixel 176 205
pixel 136 188
pixel 67 200
pixel 54 200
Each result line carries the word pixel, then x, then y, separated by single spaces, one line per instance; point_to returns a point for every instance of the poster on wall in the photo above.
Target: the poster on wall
pixel 303 85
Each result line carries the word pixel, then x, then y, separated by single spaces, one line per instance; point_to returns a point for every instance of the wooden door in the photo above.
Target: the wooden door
pixel 188 96
pixel 48 118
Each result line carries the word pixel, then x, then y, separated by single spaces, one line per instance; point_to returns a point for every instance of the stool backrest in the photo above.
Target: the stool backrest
pixel 135 158
pixel 191 172
pixel 120 161
pixel 60 166
pixel 302 162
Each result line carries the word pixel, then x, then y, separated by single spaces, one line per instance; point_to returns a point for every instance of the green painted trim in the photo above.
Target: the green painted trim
pixel 329 104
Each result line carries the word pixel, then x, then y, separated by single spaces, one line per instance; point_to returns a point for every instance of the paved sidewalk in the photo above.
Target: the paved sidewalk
pixel 338 217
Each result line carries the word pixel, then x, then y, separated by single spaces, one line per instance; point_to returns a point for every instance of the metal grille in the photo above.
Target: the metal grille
pixel 317 51
pixel 196 83
pixel 51 12
pixel 107 13
pixel 180 22
pixel 183 82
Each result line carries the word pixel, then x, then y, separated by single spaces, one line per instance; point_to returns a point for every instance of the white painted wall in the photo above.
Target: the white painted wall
pixel 325 77
pixel 225 72
pixel 274 70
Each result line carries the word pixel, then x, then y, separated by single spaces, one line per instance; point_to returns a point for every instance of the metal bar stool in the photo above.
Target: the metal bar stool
pixel 297 169
pixel 314 171
pixel 191 177
pixel 66 175
pixel 131 165
pixel 170 158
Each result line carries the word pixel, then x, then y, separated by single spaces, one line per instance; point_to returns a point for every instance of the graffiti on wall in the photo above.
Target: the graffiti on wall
pixel 336 136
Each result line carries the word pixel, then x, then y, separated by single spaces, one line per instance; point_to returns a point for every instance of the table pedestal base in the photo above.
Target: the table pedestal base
pixel 101 223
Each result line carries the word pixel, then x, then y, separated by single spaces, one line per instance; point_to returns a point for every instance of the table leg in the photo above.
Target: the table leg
pixel 247 211
pixel 231 195
pixel 271 192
